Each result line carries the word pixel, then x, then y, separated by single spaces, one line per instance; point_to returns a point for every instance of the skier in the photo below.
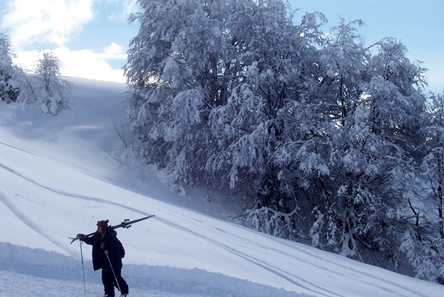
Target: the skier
pixel 107 254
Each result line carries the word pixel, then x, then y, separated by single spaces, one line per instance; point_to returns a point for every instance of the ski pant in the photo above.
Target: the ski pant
pixel 109 282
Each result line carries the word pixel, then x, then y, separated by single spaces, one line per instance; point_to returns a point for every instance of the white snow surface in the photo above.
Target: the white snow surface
pixel 60 175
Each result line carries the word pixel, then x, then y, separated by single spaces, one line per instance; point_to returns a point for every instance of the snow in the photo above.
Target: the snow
pixel 60 175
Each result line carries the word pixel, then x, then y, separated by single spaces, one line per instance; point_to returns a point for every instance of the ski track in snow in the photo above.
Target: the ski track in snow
pixel 283 274
pixel 294 279
pixel 343 266
pixel 16 148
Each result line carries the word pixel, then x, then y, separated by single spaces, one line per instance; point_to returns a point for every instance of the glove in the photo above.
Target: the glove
pixel 80 236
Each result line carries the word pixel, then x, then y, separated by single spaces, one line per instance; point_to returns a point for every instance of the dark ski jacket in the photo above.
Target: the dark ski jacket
pixel 99 245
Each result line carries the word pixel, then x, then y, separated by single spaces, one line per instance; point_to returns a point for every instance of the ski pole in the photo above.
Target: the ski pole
pixel 83 267
pixel 115 277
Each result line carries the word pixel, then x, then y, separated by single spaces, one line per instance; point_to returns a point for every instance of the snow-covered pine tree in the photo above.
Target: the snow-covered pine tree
pixel 52 93
pixel 8 91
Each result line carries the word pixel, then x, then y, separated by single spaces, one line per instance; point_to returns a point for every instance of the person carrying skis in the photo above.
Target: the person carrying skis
pixel 107 252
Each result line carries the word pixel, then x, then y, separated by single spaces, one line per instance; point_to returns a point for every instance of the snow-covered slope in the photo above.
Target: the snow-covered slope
pixel 60 175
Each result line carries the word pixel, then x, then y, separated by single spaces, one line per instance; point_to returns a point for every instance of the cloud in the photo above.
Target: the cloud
pixel 83 63
pixel 52 21
pixel 113 51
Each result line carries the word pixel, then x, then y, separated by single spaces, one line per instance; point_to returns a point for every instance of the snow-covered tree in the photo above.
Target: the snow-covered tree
pixel 172 69
pixel 373 151
pixel 24 82
pixel 317 132
pixel 423 243
pixel 266 126
pixel 8 91
pixel 52 91
pixel 188 59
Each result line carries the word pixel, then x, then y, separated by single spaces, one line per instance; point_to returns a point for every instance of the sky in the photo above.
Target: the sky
pixel 91 37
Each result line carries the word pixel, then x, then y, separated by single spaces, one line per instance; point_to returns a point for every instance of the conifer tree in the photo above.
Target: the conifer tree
pixel 52 93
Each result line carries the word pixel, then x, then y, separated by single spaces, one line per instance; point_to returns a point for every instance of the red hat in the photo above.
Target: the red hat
pixel 103 223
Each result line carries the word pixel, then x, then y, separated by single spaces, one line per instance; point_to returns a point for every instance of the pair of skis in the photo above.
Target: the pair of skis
pixel 125 224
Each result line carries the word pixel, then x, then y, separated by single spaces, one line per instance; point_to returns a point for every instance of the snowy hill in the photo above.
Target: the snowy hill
pixel 60 175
